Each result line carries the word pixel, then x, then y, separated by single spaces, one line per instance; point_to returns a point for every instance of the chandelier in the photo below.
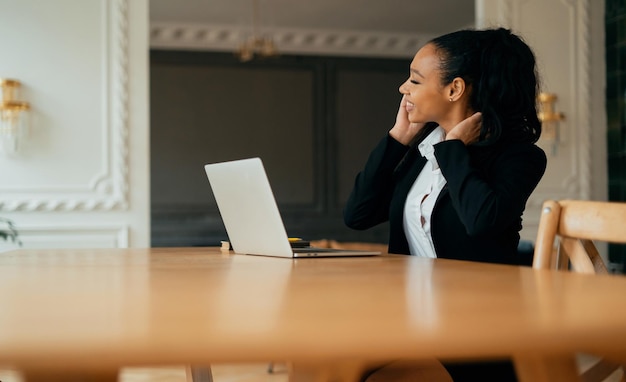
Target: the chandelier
pixel 256 45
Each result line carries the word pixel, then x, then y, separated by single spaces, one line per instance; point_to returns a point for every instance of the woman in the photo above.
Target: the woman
pixel 454 173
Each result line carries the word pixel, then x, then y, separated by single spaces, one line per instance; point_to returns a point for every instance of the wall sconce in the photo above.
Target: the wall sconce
pixel 13 116
pixel 550 119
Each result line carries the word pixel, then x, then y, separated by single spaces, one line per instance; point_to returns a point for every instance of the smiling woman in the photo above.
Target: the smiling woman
pixel 460 161
pixel 454 173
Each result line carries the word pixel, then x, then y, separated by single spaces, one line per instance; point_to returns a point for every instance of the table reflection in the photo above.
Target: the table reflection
pixel 419 292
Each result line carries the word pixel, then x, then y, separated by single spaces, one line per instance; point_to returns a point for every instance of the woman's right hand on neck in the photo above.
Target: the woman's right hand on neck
pixel 404 131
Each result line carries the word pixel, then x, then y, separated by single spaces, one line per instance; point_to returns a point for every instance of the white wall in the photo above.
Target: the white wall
pixel 567 37
pixel 82 179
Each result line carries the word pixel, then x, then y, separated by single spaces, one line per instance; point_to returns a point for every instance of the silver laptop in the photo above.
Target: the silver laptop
pixel 250 213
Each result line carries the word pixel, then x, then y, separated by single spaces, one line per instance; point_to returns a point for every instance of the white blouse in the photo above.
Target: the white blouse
pixel 421 199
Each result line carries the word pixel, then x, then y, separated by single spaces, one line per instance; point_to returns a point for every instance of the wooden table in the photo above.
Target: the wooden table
pixel 67 313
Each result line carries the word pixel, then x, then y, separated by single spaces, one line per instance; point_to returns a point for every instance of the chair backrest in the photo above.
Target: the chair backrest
pixel 575 224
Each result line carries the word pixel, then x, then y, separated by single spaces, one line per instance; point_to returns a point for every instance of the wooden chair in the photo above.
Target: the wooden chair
pixel 199 374
pixel 565 238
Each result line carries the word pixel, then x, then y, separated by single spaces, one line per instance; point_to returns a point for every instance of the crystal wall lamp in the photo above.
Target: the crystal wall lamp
pixel 13 116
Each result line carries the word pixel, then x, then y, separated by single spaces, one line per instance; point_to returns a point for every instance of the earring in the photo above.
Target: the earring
pixel 450 99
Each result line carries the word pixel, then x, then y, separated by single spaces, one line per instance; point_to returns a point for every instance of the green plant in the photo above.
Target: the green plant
pixel 8 231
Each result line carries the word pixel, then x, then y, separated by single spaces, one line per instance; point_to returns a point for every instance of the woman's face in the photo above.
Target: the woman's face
pixel 427 99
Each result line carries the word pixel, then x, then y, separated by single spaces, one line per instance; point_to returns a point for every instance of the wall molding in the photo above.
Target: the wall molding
pixel 583 99
pixel 71 236
pixel 120 101
pixel 227 38
pixel 578 141
pixel 505 15
pixel 574 160
pixel 108 189
pixel 578 136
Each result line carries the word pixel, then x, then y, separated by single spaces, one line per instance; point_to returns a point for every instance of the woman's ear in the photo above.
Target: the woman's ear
pixel 456 89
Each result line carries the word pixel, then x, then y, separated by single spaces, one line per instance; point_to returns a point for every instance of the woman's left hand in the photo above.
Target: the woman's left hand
pixel 468 130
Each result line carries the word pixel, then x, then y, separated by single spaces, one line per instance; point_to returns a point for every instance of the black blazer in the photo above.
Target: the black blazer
pixel 477 215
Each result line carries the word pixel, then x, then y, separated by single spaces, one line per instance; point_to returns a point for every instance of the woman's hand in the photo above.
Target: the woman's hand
pixel 468 130
pixel 404 131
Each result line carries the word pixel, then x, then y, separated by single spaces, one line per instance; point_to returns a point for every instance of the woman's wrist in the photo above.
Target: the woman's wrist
pixel 450 136
pixel 398 137
pixel 405 134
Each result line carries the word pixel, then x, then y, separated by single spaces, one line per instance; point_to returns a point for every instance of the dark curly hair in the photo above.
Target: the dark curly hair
pixel 501 72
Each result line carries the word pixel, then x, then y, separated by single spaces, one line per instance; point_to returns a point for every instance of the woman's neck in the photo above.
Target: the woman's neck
pixel 455 117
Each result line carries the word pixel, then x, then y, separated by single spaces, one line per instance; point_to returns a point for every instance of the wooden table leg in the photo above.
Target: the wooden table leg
pixel 543 369
pixel 60 376
pixel 199 374
pixel 335 372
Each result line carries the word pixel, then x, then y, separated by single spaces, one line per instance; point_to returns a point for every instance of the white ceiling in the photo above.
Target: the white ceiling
pixel 426 17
